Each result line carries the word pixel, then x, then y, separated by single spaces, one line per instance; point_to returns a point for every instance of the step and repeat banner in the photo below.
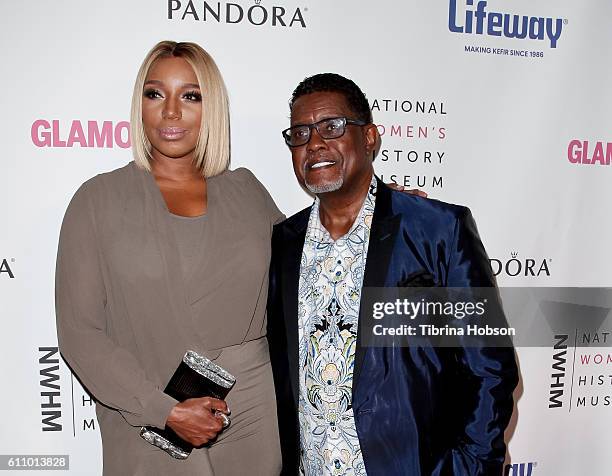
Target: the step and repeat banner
pixel 501 106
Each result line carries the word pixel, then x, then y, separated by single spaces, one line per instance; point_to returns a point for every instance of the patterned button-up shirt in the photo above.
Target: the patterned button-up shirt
pixel 331 277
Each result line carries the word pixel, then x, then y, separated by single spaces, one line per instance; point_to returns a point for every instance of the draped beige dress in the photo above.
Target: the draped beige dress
pixel 133 294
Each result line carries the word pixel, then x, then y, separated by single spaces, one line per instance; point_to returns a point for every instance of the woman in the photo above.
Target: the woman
pixel 167 254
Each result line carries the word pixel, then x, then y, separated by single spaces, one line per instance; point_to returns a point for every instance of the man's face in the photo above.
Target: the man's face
pixel 329 165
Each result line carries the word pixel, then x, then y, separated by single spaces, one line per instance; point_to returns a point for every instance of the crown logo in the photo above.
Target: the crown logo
pixel 257 2
pixel 514 254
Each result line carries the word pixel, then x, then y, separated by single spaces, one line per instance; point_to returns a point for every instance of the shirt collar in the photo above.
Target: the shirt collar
pixel 318 233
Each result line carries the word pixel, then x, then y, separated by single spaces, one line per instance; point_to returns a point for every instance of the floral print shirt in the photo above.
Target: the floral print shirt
pixel 331 278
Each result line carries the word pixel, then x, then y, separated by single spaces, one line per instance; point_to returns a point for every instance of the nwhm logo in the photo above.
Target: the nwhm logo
pixel 50 389
pixel 558 371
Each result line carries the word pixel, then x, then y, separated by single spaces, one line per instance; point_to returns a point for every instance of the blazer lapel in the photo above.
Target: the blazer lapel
pixel 382 238
pixel 295 235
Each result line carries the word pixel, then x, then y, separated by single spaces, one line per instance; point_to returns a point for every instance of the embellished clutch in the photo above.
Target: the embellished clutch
pixel 195 377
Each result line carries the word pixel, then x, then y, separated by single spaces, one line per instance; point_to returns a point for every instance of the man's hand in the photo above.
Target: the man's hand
pixel 413 191
pixel 194 420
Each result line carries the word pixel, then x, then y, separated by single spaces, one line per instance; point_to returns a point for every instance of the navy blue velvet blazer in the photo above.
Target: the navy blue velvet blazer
pixel 418 411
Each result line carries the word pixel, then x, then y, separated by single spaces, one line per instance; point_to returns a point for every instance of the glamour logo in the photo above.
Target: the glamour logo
pixel 579 152
pixel 481 22
pixel 528 267
pixel 225 12
pixel 92 134
pixel 519 469
pixel 5 268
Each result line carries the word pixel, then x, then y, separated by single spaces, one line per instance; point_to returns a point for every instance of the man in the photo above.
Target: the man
pixel 345 408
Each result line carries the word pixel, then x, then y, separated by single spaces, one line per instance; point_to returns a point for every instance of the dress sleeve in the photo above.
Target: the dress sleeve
pixel 112 374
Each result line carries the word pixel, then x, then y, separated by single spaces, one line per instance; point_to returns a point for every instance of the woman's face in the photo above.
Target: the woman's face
pixel 172 109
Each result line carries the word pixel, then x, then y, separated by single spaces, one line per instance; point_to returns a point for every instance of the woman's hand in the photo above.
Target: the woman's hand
pixel 195 421
pixel 401 188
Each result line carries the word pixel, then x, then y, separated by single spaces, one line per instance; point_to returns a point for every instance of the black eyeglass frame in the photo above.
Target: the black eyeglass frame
pixel 345 122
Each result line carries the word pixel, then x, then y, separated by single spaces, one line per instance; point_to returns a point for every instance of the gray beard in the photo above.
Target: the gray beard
pixel 325 187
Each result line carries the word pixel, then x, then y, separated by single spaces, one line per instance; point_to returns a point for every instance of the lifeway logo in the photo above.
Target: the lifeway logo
pixel 483 22
pixel 5 268
pixel 233 13
pixel 520 469
pixel 95 134
pixel 526 267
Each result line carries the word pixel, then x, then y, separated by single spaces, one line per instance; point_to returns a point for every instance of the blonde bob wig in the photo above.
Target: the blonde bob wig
pixel 212 153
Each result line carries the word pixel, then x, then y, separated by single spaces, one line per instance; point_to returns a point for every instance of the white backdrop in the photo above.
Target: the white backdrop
pixel 498 128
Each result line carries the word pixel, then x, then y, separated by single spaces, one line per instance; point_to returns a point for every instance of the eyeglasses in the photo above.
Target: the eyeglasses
pixel 331 128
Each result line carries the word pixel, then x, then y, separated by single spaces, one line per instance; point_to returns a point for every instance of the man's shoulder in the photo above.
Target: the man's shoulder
pixel 288 236
pixel 426 210
pixel 296 222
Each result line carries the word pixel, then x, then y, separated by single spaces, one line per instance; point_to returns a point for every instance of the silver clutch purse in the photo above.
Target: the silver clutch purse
pixel 195 377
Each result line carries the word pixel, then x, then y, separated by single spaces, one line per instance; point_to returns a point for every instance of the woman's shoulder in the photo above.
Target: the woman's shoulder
pixel 106 187
pixel 241 175
pixel 240 179
pixel 110 181
pixel 244 187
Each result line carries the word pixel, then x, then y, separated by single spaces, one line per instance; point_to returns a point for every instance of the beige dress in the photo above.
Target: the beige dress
pixel 135 290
